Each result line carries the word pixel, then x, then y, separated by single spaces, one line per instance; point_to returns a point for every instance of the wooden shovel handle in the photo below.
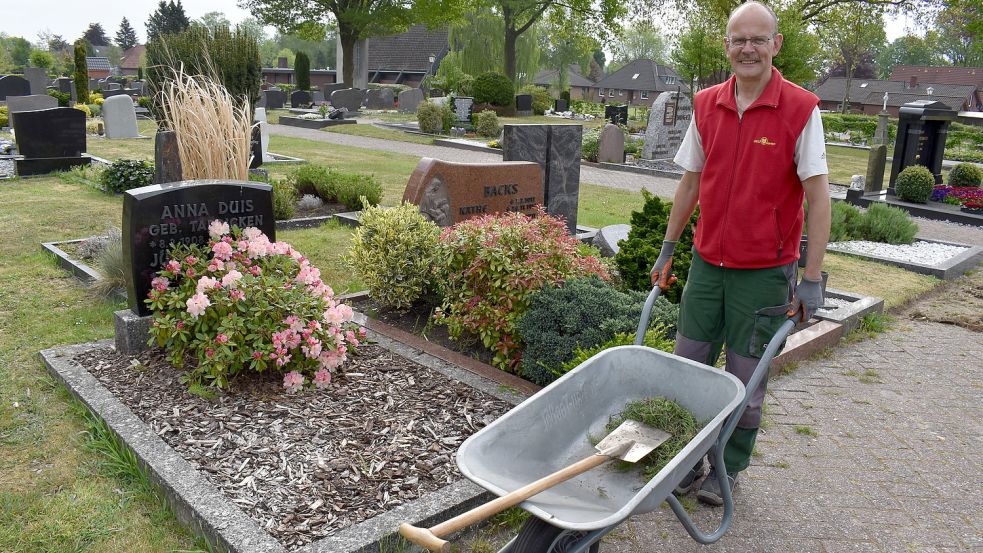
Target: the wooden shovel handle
pixel 430 537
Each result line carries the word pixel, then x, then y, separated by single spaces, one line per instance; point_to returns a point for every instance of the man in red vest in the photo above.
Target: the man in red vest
pixel 753 150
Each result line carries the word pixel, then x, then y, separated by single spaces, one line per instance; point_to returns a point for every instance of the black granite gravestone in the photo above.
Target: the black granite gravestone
pixel 12 85
pixel 256 147
pixel 49 140
pixel 561 104
pixel 275 98
pixel 523 104
pixel 923 126
pixel 159 216
pixel 300 99
pixel 167 159
pixel 616 114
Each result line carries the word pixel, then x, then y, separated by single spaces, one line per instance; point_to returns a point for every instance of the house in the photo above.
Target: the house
pixel 408 57
pixel 132 60
pixel 638 84
pixel 867 95
pixel 98 67
pixel 970 76
pixel 580 86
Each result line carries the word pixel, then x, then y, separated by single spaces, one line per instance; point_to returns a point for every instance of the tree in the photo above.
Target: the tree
pixel 126 37
pixel 699 54
pixel 168 19
pixel 18 48
pixel 909 50
pixel 477 45
pixel 640 40
pixel 798 60
pixel 960 28
pixel 214 20
pixel 96 35
pixel 42 59
pixel 851 32
pixel 563 45
pixel 302 68
pixel 599 57
pixel 81 72
pixel 356 20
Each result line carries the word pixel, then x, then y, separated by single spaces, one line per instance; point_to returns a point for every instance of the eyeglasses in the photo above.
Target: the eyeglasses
pixel 756 41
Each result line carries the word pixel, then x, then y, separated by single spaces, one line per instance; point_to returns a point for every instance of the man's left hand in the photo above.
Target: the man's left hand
pixel 807 298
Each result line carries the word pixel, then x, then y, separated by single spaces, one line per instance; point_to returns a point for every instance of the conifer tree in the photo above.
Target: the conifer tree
pixel 126 36
pixel 167 20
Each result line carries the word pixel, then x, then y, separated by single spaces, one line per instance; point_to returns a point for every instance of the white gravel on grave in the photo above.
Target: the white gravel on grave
pixel 920 251
pixel 832 304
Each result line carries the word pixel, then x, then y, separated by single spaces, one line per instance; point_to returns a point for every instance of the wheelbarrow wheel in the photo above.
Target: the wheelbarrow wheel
pixel 536 536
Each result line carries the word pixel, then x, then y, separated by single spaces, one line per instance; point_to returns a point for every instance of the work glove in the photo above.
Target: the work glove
pixel 662 270
pixel 806 299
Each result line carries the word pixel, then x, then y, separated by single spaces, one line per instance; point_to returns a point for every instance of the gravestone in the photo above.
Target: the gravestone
pixel 327 89
pixel 275 98
pixel 159 216
pixel 449 192
pixel 255 146
pixel 66 85
pixel 317 97
pixel 668 120
pixel 120 117
pixel 12 85
pixel 50 140
pixel 439 100
pixel 31 102
pixel 300 99
pixel 561 105
pixel 111 93
pixel 556 148
pixel 264 133
pixel 261 102
pixel 611 145
pixel 523 105
pixel 607 238
pixel 463 107
pixel 616 114
pixel 923 126
pixel 876 162
pixel 348 98
pixel 113 86
pixel 410 100
pixel 167 159
pixel 379 98
pixel 38 79
pixel 881 133
pixel 94 85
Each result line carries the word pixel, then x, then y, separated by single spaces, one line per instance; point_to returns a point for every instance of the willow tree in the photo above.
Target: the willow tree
pixel 477 45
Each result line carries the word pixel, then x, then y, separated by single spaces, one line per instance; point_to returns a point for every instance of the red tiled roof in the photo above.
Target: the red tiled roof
pixel 131 57
pixel 942 75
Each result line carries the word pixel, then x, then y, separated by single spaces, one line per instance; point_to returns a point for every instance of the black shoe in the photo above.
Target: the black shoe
pixel 692 478
pixel 710 492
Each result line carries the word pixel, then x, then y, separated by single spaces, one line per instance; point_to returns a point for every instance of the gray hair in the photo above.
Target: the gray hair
pixel 766 7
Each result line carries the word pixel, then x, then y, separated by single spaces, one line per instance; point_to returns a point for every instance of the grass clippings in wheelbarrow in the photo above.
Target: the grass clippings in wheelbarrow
pixel 306 465
pixel 664 414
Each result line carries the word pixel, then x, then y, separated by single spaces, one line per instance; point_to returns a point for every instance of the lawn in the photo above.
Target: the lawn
pixel 57 492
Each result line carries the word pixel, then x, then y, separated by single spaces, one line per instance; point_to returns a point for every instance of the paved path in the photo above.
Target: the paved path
pixel 659 186
pixel 893 465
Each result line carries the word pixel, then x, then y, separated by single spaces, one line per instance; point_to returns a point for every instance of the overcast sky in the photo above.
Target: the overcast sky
pixel 26 18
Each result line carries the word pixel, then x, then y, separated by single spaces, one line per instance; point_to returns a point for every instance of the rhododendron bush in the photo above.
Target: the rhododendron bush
pixel 243 302
pixel 493 264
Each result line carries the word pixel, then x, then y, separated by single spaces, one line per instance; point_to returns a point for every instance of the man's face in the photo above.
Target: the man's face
pixel 750 61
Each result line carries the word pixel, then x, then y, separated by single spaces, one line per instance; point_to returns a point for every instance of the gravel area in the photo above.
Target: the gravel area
pixel 305 465
pixel 920 251
pixel 7 168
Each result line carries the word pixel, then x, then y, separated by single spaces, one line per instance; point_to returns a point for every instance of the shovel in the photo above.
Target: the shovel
pixel 629 442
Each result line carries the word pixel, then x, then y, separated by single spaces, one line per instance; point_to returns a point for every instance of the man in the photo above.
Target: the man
pixel 753 150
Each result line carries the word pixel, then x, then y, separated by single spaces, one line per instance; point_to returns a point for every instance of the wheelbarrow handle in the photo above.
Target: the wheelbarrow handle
pixel 643 322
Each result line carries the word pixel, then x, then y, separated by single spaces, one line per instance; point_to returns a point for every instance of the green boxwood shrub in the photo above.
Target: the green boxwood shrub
pixel 965 174
pixel 356 190
pixel 335 186
pixel 844 223
pixel 494 88
pixel 655 338
pixel 639 252
pixel 883 223
pixel 284 200
pixel 486 124
pixel 393 252
pixel 914 184
pixel 4 116
pixel 433 118
pixel 580 313
pixel 541 99
pixel 307 178
pixel 125 174
pixel 64 98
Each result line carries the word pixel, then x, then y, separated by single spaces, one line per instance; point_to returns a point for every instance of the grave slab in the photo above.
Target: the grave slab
pixel 379 98
pixel 607 238
pixel 38 79
pixel 348 98
pixel 668 120
pixel 12 85
pixel 410 100
pixel 120 117
pixel 31 102
pixel 611 145
pixel 300 98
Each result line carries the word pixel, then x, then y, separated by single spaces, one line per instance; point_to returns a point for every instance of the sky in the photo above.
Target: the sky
pixel 27 18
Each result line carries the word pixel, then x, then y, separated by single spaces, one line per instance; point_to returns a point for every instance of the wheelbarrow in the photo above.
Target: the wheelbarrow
pixel 553 429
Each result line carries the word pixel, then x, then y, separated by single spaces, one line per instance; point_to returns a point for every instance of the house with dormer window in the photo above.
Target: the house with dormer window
pixel 638 84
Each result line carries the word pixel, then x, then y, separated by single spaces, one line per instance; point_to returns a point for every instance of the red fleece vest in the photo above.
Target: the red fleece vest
pixel 750 195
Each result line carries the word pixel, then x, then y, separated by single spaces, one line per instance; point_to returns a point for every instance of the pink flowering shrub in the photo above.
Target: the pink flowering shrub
pixel 493 264
pixel 244 302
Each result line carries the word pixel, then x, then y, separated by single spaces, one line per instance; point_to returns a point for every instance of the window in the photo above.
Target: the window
pixel 670 80
pixel 645 95
pixel 611 92
pixel 635 76
pixel 600 92
pixel 863 85
pixel 621 92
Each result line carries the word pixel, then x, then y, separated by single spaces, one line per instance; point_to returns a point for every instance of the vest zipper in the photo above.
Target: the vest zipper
pixel 778 232
pixel 730 189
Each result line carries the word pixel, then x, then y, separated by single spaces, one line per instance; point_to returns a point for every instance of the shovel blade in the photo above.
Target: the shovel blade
pixel 643 440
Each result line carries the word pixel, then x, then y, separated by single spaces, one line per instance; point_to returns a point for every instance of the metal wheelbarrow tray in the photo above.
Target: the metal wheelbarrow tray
pixel 554 428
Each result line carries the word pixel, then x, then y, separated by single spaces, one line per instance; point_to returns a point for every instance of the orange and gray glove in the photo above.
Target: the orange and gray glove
pixel 662 270
pixel 806 299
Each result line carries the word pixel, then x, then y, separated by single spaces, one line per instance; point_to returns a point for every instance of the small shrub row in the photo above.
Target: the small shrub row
pixel 335 186
pixel 880 223
pixel 125 174
pixel 486 124
pixel 434 118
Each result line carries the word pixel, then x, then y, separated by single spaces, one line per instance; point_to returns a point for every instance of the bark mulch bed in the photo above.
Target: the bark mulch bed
pixel 306 465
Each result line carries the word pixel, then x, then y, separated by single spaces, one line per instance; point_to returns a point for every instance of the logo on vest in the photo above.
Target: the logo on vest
pixel 763 141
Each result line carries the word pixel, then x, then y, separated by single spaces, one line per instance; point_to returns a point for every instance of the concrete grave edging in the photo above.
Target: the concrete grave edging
pixel 950 269
pixel 203 509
